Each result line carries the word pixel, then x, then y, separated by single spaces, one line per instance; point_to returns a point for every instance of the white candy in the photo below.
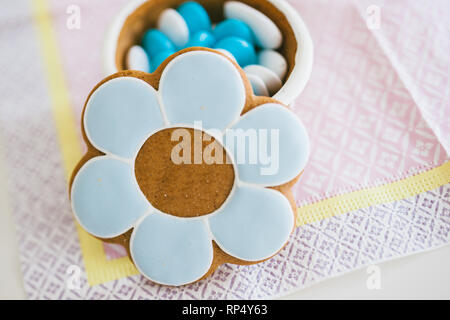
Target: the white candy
pixel 172 24
pixel 267 34
pixel 137 59
pixel 270 78
pixel 274 61
pixel 227 53
pixel 259 87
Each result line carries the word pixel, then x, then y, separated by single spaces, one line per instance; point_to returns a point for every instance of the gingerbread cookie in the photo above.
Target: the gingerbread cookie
pixel 167 173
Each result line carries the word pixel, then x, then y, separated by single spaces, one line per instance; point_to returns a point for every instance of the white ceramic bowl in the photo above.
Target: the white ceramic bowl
pixel 293 85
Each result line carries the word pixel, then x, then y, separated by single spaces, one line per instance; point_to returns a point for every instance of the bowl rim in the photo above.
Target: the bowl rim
pixel 293 86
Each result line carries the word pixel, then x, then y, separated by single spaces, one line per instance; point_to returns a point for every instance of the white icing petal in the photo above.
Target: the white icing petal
pixel 277 145
pixel 202 86
pixel 170 250
pixel 106 198
pixel 120 115
pixel 254 225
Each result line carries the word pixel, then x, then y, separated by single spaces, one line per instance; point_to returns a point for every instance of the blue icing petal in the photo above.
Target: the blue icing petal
pixel 254 225
pixel 243 51
pixel 106 198
pixel 282 145
pixel 160 58
pixel 202 39
pixel 233 27
pixel 195 16
pixel 154 42
pixel 202 86
pixel 170 250
pixel 121 114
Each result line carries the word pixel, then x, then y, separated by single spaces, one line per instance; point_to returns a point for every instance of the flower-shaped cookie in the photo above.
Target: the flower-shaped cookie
pixel 109 194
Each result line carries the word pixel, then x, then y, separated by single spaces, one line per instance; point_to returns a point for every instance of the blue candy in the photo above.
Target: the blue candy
pixel 160 57
pixel 195 16
pixel 202 39
pixel 243 51
pixel 155 42
pixel 233 27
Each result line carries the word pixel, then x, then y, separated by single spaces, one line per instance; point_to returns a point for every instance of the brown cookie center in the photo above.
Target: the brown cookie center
pixel 184 172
